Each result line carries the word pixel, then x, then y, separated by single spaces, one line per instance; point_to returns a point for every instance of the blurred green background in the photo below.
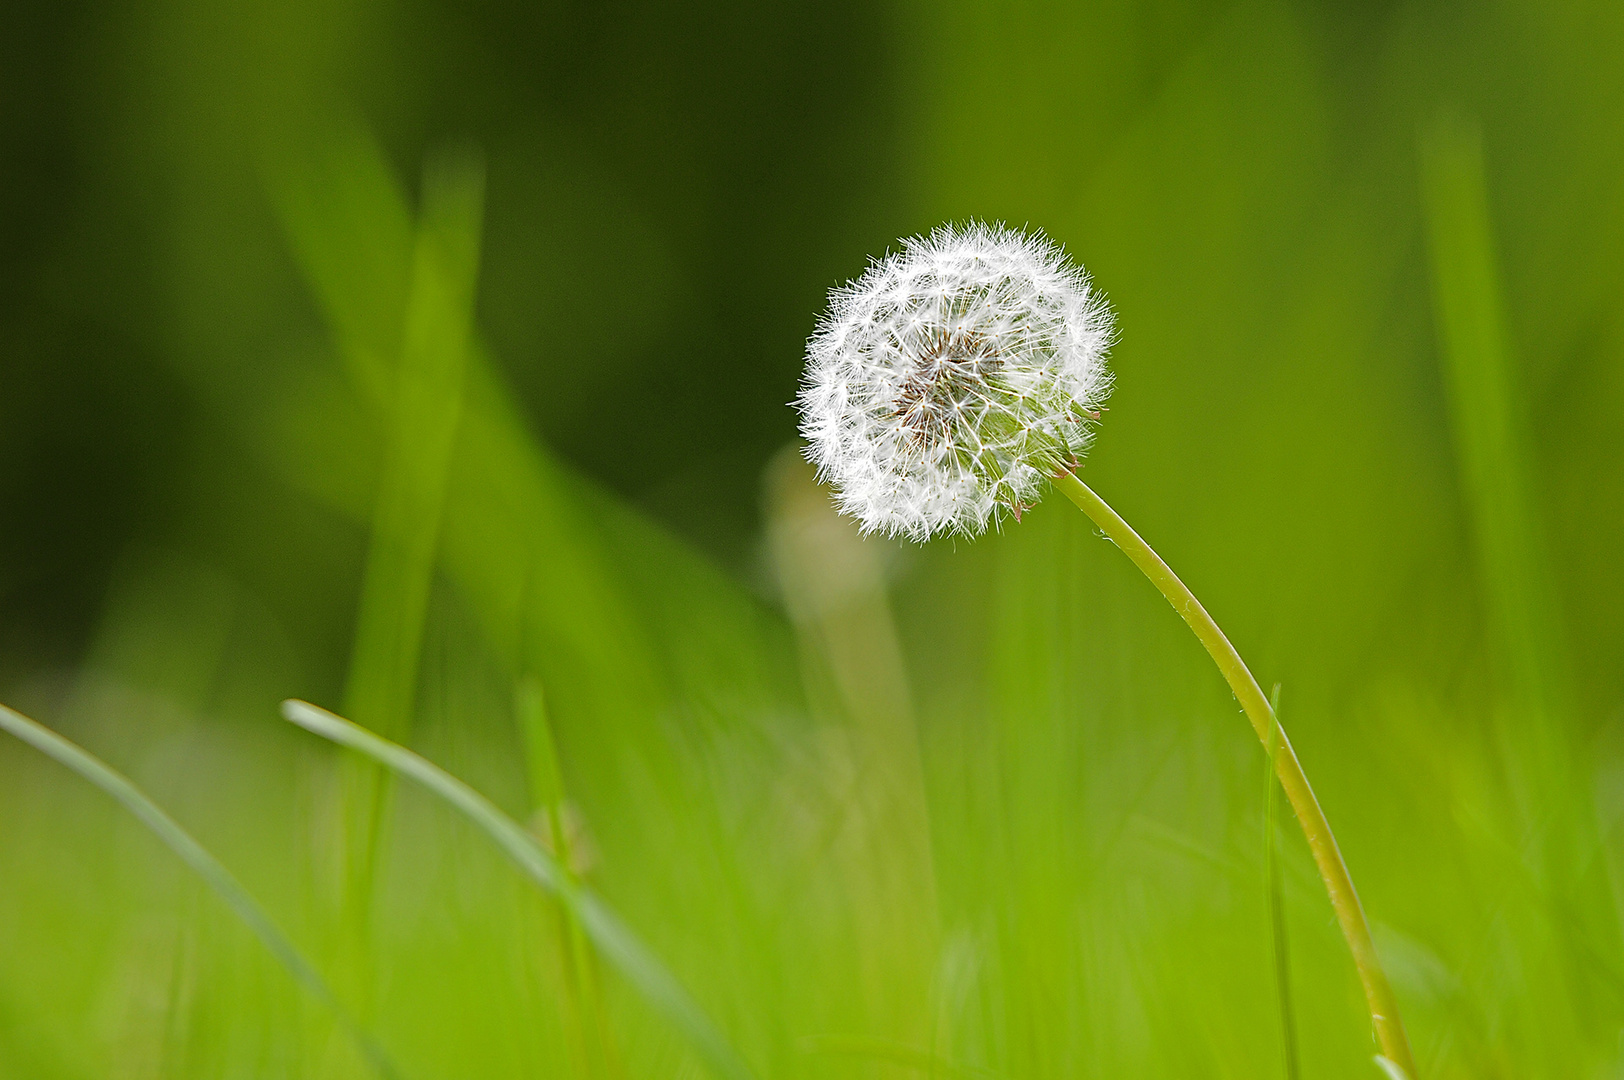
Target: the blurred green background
pixel 297 401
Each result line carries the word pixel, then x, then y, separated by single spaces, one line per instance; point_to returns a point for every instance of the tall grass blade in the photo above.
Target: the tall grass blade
pixel 1494 461
pixel 618 944
pixel 347 223
pixel 422 415
pixel 427 407
pixel 205 865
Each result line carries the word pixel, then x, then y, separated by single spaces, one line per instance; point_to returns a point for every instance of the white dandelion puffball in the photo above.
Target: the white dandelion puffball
pixel 954 378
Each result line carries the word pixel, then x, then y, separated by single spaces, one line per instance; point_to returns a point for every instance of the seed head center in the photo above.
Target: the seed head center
pixel 948 385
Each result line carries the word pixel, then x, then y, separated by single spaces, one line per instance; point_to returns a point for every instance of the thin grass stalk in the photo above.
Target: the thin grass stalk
pixel 1350 914
pixel 206 866
pixel 612 938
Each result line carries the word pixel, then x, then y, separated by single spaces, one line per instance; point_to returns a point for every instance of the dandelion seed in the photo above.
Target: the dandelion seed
pixel 953 379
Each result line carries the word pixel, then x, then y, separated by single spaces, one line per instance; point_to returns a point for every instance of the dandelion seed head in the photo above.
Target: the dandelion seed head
pixel 952 379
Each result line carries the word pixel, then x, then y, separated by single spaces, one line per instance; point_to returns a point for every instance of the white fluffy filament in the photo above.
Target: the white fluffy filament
pixel 953 379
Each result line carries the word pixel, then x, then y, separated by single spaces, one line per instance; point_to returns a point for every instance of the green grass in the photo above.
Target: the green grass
pixel 805 806
pixel 206 867
pixel 606 933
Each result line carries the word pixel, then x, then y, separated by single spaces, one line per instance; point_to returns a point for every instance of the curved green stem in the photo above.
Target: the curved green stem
pixel 1349 913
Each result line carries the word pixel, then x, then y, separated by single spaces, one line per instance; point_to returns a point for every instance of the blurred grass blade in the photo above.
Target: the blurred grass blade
pixel 1493 458
pixel 834 588
pixel 421 417
pixel 1490 442
pixel 658 987
pixel 427 407
pixel 594 1044
pixel 349 226
pixel 205 865
pixel 541 758
pixel 894 1054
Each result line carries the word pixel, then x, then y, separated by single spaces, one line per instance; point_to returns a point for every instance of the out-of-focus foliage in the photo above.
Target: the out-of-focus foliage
pixel 972 809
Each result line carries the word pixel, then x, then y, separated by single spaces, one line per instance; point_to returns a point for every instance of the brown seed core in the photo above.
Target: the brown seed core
pixel 947 385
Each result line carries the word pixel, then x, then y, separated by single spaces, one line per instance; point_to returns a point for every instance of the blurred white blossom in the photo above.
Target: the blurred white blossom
pixel 953 379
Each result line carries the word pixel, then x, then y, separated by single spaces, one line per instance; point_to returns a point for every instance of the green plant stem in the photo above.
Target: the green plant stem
pixel 1277 902
pixel 1350 914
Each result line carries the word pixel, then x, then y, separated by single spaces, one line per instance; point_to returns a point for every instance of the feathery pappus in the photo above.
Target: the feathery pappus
pixel 953 379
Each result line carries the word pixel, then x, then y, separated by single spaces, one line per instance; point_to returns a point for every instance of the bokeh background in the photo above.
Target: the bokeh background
pixel 972 809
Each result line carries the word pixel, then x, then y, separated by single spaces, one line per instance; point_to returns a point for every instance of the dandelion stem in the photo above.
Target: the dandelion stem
pixel 1277 907
pixel 1395 1045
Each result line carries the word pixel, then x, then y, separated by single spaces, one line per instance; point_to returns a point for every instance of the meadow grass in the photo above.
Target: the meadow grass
pixel 977 810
